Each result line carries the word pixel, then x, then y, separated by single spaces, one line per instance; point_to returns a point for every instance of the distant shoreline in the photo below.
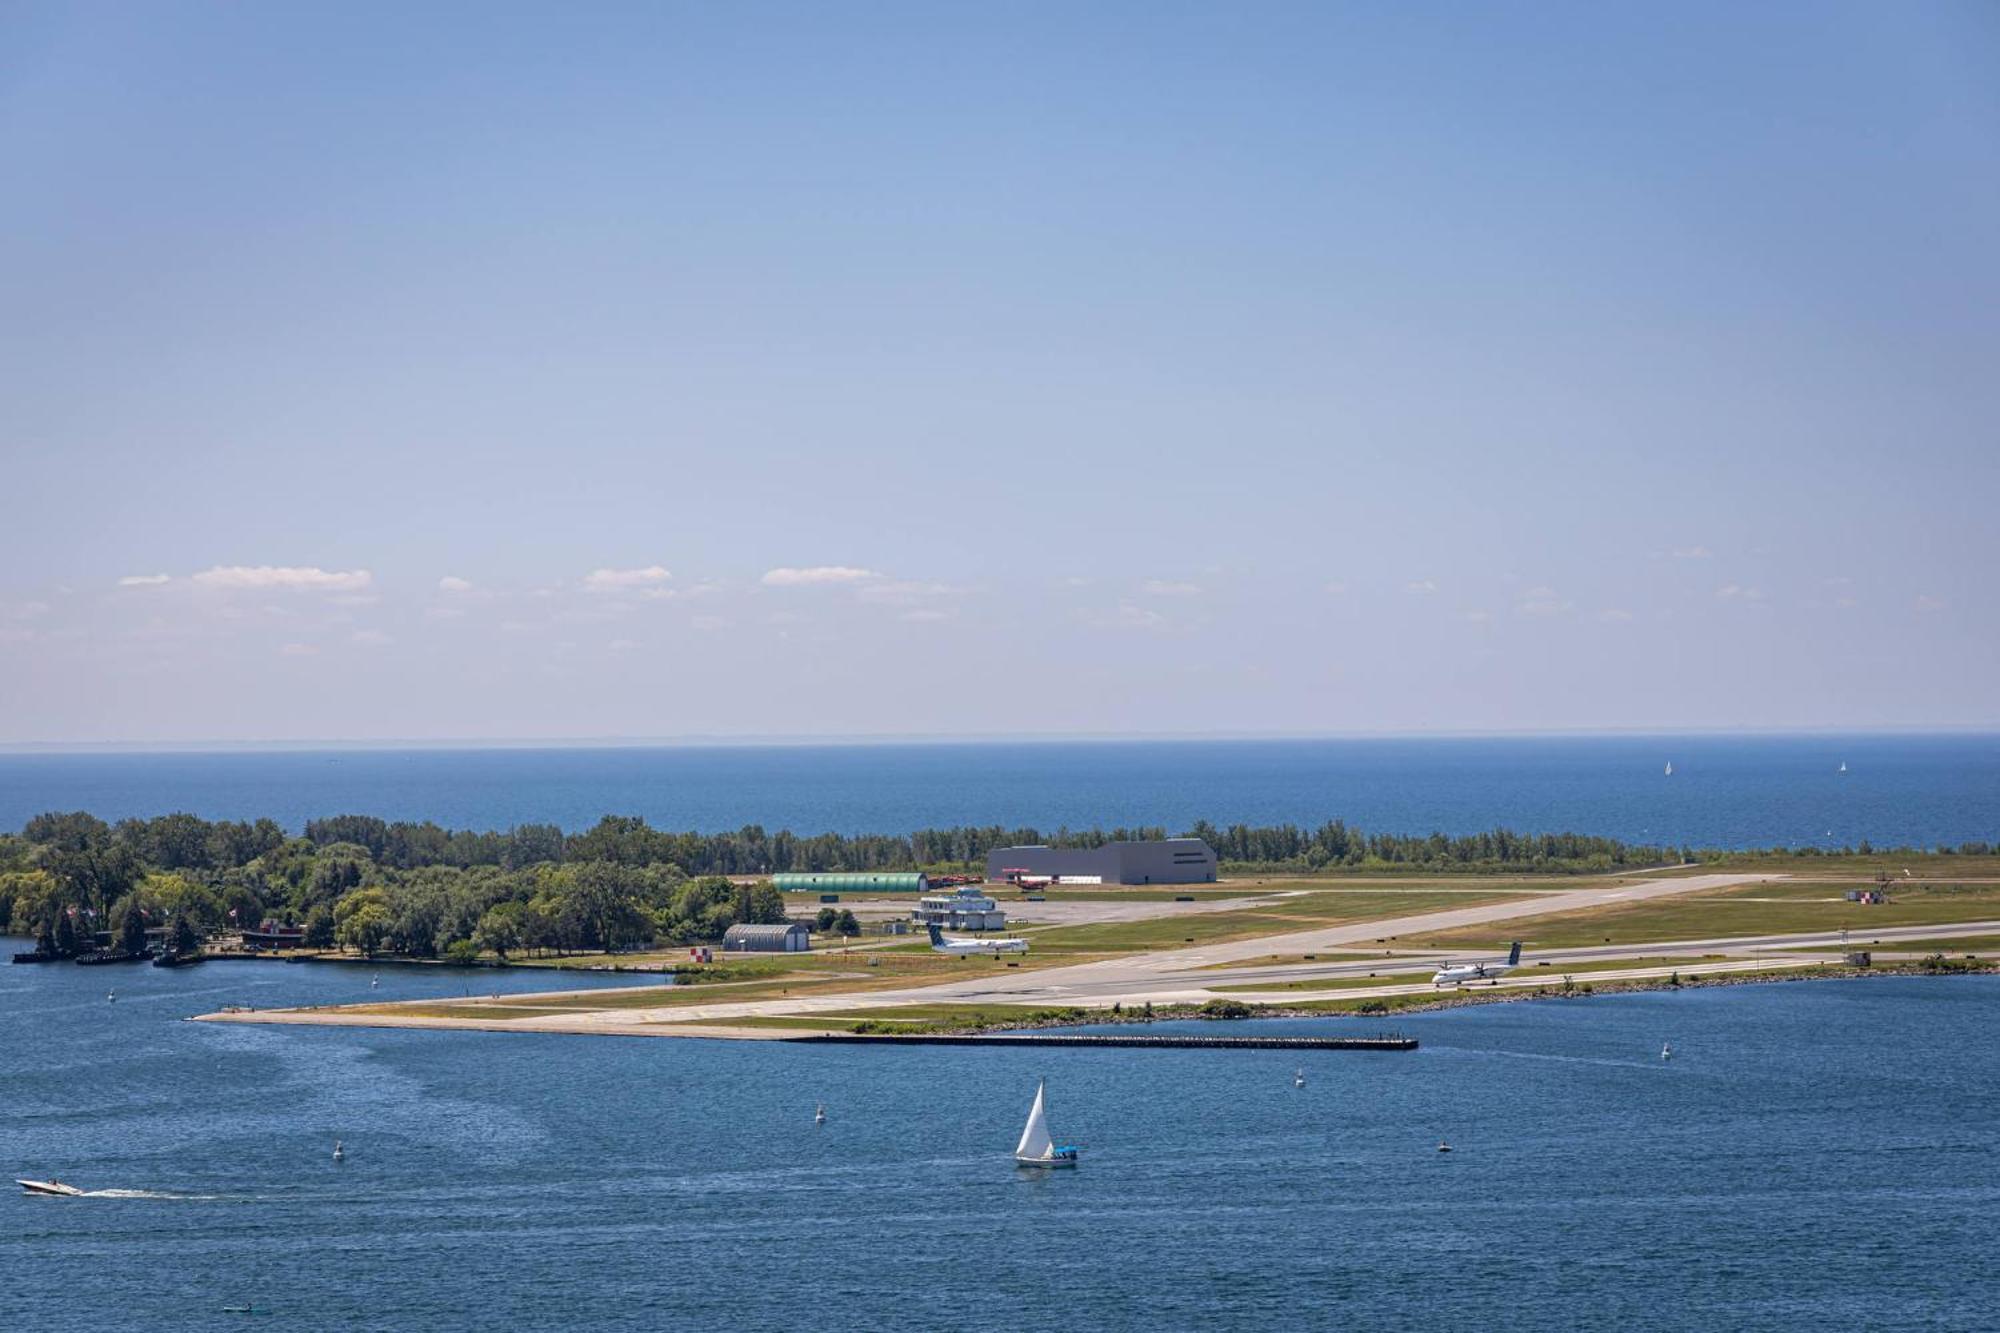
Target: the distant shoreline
pixel 451 745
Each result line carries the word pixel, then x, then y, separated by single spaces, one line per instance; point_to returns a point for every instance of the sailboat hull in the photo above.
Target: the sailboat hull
pixel 1047 1163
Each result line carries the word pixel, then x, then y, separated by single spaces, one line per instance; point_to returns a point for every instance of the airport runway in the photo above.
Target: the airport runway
pixel 1192 976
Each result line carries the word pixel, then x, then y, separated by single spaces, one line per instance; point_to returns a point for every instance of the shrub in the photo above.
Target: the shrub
pixel 1224 1009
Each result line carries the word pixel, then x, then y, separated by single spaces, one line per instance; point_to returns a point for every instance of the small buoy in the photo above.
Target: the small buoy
pixel 339 1153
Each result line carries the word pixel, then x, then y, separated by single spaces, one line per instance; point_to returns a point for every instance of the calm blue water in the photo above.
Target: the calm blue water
pixel 1725 792
pixel 1817 1155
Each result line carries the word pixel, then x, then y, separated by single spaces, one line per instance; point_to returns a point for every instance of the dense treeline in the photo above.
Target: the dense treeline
pixel 364 884
pixel 417 888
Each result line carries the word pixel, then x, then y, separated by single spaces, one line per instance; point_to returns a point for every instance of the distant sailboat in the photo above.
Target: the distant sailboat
pixel 1670 768
pixel 1036 1148
pixel 1299 1079
pixel 1843 765
pixel 1666 1050
pixel 339 1152
pixel 819 1113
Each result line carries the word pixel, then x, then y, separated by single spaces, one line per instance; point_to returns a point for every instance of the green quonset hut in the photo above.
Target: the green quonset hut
pixel 853 881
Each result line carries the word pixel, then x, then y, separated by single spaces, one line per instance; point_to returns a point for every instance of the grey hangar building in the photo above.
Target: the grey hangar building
pixel 1172 861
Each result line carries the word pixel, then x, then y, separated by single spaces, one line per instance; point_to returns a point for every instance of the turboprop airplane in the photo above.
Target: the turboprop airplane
pixel 943 943
pixel 1457 974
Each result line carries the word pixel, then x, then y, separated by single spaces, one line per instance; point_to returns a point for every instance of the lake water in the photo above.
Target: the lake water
pixel 1726 791
pixel 1822 1154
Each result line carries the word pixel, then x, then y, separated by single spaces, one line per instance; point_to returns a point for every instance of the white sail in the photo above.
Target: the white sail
pixel 1035 1140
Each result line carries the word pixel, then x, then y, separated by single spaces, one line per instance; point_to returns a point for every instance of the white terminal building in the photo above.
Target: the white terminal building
pixel 967 909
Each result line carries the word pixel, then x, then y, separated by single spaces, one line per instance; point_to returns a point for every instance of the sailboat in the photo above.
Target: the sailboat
pixel 1299 1079
pixel 1667 1051
pixel 1036 1148
pixel 819 1113
pixel 1670 768
pixel 1843 765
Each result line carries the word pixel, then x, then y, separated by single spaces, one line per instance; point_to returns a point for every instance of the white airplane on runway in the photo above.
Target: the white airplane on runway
pixel 1457 974
pixel 943 943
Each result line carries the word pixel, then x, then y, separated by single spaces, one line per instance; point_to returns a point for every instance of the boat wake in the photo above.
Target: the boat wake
pixel 150 1194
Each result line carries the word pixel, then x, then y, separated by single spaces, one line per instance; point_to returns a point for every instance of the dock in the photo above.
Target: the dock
pixel 1392 1042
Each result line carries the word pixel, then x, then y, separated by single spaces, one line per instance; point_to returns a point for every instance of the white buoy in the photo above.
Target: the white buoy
pixel 339 1153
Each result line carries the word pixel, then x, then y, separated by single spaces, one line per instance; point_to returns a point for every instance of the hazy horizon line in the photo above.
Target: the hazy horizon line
pixel 868 739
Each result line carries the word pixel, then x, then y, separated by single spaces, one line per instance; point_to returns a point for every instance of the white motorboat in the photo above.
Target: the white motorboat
pixel 819 1113
pixel 1667 1050
pixel 1299 1079
pixel 1036 1148
pixel 339 1151
pixel 50 1187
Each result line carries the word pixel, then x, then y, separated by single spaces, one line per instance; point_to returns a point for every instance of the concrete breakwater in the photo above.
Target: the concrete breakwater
pixel 1391 1042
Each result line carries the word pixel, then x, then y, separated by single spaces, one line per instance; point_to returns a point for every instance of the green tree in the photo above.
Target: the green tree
pixel 319 928
pixel 362 919
pixel 848 925
pixel 132 930
pixel 186 938
pixel 500 929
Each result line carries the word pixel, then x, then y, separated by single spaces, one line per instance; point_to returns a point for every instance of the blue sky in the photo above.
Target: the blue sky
pixel 482 371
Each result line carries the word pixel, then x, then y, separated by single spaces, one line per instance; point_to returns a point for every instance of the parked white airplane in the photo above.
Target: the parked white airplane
pixel 943 943
pixel 1457 974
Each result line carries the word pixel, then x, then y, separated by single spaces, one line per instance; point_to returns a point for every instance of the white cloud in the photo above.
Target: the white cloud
pixel 1422 587
pixel 621 645
pixel 1544 601
pixel 926 615
pixel 1691 553
pixel 144 580
pixel 29 610
pixel 1169 588
pixel 1130 616
pixel 372 638
pixel 287 578
pixel 1478 617
pixel 905 593
pixel 616 580
pixel 453 583
pixel 811 575
pixel 1614 616
pixel 1335 587
pixel 298 650
pixel 1735 592
pixel 1926 602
